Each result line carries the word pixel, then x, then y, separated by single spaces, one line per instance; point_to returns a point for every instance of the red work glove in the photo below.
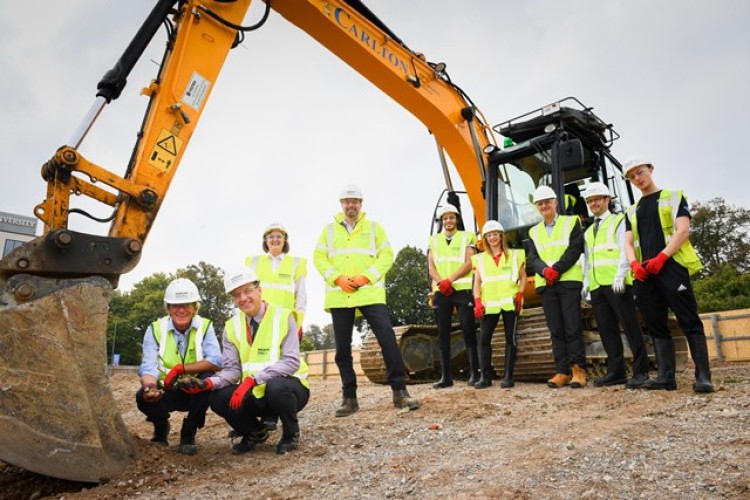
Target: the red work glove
pixel 653 266
pixel 194 385
pixel 300 333
pixel 551 275
pixel 446 287
pixel 175 372
pixel 478 308
pixel 345 284
pixel 238 396
pixel 519 302
pixel 639 272
pixel 360 280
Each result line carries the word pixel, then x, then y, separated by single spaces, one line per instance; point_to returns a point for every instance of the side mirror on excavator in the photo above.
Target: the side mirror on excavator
pixel 570 155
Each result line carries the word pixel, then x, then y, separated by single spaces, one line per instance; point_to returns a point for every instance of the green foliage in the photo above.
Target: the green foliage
pixel 719 233
pixel 306 344
pixel 131 312
pixel 723 290
pixel 407 284
pixel 320 338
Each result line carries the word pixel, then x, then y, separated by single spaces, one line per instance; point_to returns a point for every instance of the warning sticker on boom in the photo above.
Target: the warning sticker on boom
pixel 165 151
pixel 196 91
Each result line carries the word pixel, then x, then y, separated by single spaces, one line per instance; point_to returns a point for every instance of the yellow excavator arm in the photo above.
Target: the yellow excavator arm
pixel 57 414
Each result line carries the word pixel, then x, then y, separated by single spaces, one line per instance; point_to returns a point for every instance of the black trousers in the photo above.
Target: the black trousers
pixel 610 311
pixel 196 405
pixel 463 301
pixel 379 319
pixel 487 329
pixel 562 309
pixel 285 397
pixel 670 289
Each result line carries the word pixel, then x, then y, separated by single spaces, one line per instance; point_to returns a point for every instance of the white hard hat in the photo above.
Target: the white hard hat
pixel 447 209
pixel 544 193
pixel 275 226
pixel 181 291
pixel 634 163
pixel 490 226
pixel 239 276
pixel 350 191
pixel 596 189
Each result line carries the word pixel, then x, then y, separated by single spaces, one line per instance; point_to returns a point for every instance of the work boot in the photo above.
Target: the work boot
pixel 446 379
pixel 187 438
pixel 510 363
pixel 250 441
pixel 401 399
pixel 348 407
pixel 161 432
pixel 637 381
pixel 611 379
pixel 485 380
pixel 699 353
pixel 665 359
pixel 559 380
pixel 287 444
pixel 579 377
pixel 473 355
pixel 271 423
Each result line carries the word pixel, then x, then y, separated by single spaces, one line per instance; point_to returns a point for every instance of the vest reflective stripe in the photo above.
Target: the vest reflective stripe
pixel 449 258
pixel 551 247
pixel 668 206
pixel 363 251
pixel 279 285
pixel 169 356
pixel 604 253
pixel 266 347
pixel 500 282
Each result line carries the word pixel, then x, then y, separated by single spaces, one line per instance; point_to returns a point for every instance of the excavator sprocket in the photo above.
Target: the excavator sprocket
pixel 57 413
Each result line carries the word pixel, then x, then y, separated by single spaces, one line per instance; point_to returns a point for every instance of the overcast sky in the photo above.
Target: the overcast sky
pixel 288 123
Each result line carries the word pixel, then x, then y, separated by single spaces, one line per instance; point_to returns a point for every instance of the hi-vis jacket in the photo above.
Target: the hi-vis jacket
pixel 500 282
pixel 279 285
pixel 265 349
pixel 169 356
pixel 551 247
pixel 669 203
pixel 448 258
pixel 365 251
pixel 603 253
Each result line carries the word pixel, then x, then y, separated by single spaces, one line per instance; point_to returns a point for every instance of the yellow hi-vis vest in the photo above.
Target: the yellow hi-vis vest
pixel 278 286
pixel 669 203
pixel 266 347
pixel 552 246
pixel 448 258
pixel 604 253
pixel 365 251
pixel 500 282
pixel 169 356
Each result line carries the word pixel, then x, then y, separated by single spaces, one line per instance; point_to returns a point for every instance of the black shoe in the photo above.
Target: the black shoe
pixel 161 433
pixel 703 386
pixel 187 438
pixel 483 383
pixel 507 383
pixel 402 399
pixel 249 442
pixel 660 384
pixel 348 407
pixel 288 444
pixel 610 379
pixel 443 383
pixel 271 423
pixel 637 381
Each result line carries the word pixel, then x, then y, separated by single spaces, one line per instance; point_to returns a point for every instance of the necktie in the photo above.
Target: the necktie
pixel 596 225
pixel 253 328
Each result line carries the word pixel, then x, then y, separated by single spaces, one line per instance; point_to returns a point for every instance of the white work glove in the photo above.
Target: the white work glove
pixel 585 295
pixel 619 286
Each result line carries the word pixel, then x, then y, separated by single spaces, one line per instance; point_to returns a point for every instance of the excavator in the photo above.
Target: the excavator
pixel 57 413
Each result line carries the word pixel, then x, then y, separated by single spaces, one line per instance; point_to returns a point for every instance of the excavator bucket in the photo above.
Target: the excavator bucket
pixel 57 413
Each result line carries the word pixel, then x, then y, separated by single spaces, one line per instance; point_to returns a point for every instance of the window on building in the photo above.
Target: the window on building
pixel 11 245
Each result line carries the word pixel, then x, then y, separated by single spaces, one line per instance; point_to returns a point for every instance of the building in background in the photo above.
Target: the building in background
pixel 15 230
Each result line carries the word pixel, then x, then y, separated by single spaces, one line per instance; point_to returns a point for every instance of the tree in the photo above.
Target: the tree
pixel 321 338
pixel 719 233
pixel 407 284
pixel 216 304
pixel 723 290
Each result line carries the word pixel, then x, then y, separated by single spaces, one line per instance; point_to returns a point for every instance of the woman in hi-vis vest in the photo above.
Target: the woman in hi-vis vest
pixel 282 278
pixel 499 281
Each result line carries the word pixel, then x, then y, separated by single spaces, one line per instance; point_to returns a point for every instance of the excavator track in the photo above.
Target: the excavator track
pixel 534 361
pixel 57 413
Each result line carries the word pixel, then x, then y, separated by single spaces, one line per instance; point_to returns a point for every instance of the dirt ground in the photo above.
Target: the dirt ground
pixel 526 442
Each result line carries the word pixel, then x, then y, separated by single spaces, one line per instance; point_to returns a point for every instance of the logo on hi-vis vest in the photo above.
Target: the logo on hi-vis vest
pixel 263 351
